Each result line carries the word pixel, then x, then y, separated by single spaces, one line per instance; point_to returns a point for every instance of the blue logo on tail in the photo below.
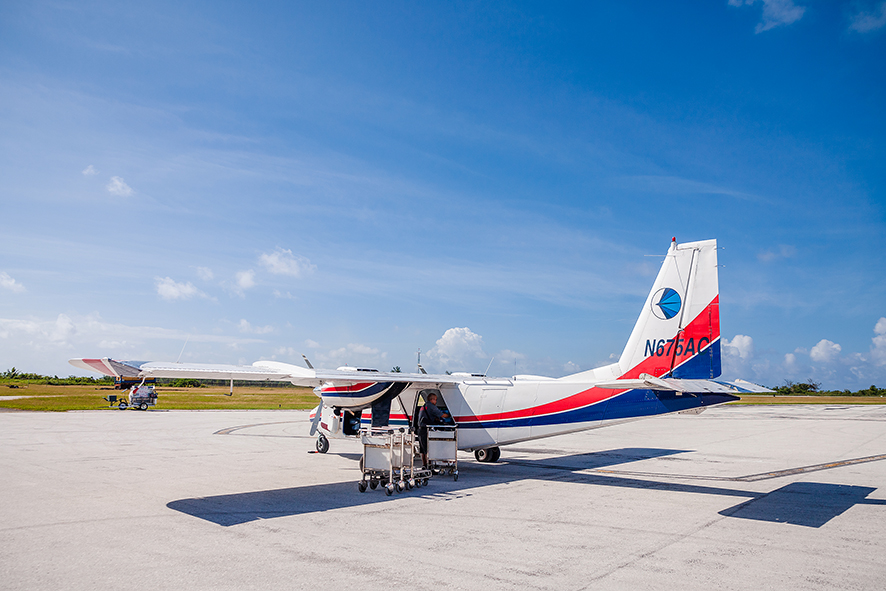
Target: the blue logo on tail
pixel 666 303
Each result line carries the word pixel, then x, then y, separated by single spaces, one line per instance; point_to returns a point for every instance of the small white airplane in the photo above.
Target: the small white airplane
pixel 668 366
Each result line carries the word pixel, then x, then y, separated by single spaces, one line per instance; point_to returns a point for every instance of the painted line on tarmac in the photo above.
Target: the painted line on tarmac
pixel 230 430
pixel 749 478
pixel 805 469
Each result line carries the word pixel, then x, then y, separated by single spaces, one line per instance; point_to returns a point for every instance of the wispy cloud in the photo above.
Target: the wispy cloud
pixel 674 185
pixel 38 341
pixel 775 12
pixel 7 282
pixel 245 279
pixel 283 262
pixel 117 186
pixel 89 170
pixel 168 289
pixel 865 22
pixel 205 273
pixel 784 251
pixel 246 327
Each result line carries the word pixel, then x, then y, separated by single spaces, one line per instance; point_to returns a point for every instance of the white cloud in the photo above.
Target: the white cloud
pixel 205 273
pixel 878 349
pixel 44 345
pixel 775 12
pixel 741 346
pixel 245 279
pixel 7 282
pixel 311 344
pixel 283 295
pixel 118 187
pixel 168 289
pixel 283 262
pixel 784 251
pixel 89 171
pixel 459 349
pixel 248 328
pixel 865 22
pixel 825 351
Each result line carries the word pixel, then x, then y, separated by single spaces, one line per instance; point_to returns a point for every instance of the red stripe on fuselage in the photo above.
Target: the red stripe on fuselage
pixel 349 387
pixel 698 328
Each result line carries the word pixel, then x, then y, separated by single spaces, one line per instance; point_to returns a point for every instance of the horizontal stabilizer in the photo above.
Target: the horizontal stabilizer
pixel 689 386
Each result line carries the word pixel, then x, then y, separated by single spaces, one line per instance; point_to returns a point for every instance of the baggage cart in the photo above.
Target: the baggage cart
pixel 443 449
pixel 389 460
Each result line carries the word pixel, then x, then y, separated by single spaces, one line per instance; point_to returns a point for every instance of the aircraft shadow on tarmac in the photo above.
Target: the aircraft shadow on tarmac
pixel 808 504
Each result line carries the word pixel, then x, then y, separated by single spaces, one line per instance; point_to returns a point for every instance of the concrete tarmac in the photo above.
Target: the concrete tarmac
pixel 787 497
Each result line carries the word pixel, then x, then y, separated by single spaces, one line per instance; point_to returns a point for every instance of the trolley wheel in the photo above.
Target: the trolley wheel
pixel 122 405
pixel 322 444
pixel 389 489
pixel 424 481
pixel 362 486
pixel 401 486
pixel 373 484
pixel 455 476
pixel 410 484
pixel 451 471
pixel 143 406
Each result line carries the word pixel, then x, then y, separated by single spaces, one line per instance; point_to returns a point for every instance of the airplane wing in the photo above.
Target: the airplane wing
pixel 261 371
pixel 688 386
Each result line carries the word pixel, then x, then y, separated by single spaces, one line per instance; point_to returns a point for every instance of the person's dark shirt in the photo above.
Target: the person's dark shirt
pixel 430 415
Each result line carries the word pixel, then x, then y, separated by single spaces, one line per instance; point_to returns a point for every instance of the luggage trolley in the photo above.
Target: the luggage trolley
pixel 389 460
pixel 443 449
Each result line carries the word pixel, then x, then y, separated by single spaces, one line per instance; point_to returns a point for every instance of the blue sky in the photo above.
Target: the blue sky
pixel 354 181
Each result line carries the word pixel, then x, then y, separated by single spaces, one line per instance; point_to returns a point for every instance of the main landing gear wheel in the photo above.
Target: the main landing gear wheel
pixel 488 455
pixel 322 444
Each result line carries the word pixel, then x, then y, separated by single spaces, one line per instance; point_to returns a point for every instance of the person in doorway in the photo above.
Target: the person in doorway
pixel 429 415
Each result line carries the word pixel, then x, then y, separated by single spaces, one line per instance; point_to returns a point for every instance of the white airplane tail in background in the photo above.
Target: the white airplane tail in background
pixel 678 331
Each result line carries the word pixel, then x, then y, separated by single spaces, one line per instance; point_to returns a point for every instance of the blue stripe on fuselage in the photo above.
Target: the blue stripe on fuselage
pixel 630 404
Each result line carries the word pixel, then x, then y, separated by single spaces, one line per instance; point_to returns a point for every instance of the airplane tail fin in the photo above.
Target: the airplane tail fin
pixel 678 332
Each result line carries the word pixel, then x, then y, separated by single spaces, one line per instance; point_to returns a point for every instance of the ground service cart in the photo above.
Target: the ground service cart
pixel 389 460
pixel 443 449
pixel 140 397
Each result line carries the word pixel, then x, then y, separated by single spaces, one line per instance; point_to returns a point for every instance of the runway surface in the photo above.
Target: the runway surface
pixel 788 497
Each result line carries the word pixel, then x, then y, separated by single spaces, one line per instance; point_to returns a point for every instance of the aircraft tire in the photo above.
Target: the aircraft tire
pixel 322 444
pixel 494 454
